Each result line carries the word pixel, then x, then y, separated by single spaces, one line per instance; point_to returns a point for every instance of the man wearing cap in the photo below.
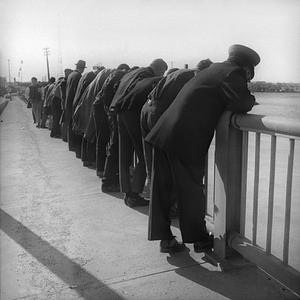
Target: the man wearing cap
pixel 106 130
pixel 160 99
pixel 71 88
pixel 82 117
pixel 181 138
pixel 83 83
pixel 60 104
pixel 46 92
pixel 127 103
pixel 35 98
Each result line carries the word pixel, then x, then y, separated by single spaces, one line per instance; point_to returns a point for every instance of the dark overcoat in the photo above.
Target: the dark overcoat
pixel 163 95
pixel 105 96
pixel 136 98
pixel 82 112
pixel 71 87
pixel 127 83
pixel 100 109
pixel 84 81
pixel 187 127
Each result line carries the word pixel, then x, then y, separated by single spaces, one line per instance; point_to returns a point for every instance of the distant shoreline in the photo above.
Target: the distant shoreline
pixel 277 92
pixel 269 87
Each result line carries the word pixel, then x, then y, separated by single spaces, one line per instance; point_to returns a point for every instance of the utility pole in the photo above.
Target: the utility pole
pixel 46 53
pixel 21 71
pixel 8 70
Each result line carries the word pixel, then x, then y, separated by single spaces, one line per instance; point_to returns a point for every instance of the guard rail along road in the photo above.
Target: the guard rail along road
pixel 243 220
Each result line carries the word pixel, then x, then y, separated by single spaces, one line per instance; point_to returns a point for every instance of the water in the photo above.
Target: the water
pixel 283 105
pixel 278 104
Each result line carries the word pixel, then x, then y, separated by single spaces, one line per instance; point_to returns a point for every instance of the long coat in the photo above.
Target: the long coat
pixel 162 96
pixel 82 112
pixel 187 127
pixel 83 83
pixel 137 97
pixel 127 83
pixel 71 87
pixel 100 109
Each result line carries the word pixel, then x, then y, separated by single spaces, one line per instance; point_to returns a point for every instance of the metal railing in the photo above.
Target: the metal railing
pixel 231 187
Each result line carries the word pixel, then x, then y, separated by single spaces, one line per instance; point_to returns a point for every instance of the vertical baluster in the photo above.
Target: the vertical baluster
pixel 271 194
pixel 287 219
pixel 244 182
pixel 256 186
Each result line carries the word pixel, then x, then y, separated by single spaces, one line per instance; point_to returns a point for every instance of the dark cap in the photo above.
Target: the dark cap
pixel 81 64
pixel 203 64
pixel 243 55
pixel 124 67
pixel 68 72
pixel 159 63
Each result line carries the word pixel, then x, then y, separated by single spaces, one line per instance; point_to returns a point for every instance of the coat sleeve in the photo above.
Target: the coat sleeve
pixel 236 94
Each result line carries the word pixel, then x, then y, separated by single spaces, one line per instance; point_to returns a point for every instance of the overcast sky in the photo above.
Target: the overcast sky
pixel 137 31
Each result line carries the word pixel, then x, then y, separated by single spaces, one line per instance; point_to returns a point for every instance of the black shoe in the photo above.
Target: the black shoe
pixel 100 174
pixel 171 246
pixel 207 243
pixel 86 163
pixel 133 200
pixel 110 188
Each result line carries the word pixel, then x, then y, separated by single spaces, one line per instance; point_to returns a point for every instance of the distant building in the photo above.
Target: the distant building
pixel 3 82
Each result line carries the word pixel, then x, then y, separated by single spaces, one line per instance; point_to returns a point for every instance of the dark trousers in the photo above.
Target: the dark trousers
pixel 102 140
pixel 130 141
pixel 149 116
pixel 56 113
pixel 111 168
pixel 88 152
pixel 45 114
pixel 64 129
pixel 74 140
pixel 37 112
pixel 174 179
pixel 147 148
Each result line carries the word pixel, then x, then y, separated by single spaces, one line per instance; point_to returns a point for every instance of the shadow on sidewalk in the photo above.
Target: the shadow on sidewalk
pixel 78 279
pixel 236 284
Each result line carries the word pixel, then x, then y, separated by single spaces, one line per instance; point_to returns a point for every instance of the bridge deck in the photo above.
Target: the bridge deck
pixel 61 238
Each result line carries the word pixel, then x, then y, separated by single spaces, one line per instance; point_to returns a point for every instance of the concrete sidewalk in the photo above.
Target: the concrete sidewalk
pixel 61 238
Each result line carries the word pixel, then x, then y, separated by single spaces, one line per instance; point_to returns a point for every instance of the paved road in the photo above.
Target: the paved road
pixel 61 238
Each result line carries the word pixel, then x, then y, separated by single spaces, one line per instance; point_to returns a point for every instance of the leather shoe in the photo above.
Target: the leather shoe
pixel 133 200
pixel 110 188
pixel 171 246
pixel 205 244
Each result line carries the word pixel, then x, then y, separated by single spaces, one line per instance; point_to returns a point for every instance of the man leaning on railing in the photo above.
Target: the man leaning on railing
pixel 181 139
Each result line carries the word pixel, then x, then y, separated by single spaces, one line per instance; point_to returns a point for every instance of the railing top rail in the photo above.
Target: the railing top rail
pixel 273 125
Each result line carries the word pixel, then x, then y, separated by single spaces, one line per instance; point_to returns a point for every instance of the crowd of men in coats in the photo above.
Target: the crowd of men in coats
pixel 108 115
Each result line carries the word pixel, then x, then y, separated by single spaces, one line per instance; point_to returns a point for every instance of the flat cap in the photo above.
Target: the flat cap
pixel 243 55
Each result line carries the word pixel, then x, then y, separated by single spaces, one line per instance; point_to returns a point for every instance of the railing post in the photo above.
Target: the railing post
pixel 228 174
